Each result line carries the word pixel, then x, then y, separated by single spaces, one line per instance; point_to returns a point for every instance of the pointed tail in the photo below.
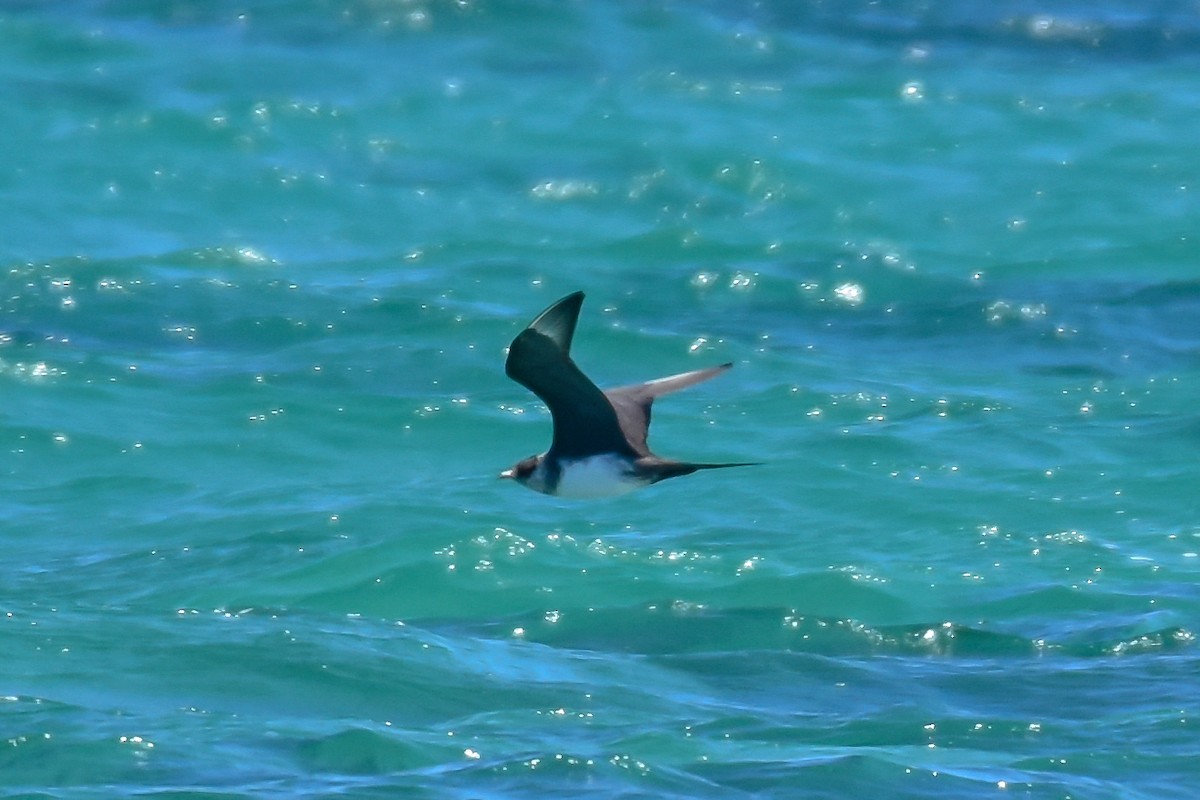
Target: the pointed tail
pixel 695 467
pixel 673 469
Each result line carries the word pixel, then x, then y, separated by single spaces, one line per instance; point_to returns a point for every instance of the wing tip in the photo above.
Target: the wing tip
pixel 573 299
pixel 557 321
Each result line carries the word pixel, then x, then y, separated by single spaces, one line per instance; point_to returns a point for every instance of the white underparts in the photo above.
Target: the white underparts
pixel 596 476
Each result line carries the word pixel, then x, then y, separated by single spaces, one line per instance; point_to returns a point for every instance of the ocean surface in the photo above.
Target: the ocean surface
pixel 259 267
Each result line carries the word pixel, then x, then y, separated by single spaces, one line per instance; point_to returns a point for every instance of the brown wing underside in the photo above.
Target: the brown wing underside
pixel 632 403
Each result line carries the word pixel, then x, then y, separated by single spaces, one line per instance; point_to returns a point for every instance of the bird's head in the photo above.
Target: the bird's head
pixel 524 470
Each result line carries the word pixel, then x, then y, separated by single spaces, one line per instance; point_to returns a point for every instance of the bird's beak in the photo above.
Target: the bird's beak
pixel 508 473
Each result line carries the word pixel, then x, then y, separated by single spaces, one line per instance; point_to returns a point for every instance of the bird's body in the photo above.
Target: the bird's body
pixel 599 446
pixel 603 475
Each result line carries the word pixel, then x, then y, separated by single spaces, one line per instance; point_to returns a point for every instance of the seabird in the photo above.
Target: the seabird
pixel 599 445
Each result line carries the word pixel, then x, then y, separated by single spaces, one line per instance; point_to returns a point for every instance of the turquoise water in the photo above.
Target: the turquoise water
pixel 260 264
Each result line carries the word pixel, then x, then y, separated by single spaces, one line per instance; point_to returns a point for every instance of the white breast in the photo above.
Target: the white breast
pixel 596 476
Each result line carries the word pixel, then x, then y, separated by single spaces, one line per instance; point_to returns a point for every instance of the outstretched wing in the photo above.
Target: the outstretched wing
pixel 632 403
pixel 539 359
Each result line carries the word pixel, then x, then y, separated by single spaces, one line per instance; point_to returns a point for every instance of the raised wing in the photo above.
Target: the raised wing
pixel 539 359
pixel 632 403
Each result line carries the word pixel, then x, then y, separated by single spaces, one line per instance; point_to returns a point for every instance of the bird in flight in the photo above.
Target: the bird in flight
pixel 599 446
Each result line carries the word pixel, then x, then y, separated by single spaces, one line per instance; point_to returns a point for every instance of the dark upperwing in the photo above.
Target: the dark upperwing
pixel 539 359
